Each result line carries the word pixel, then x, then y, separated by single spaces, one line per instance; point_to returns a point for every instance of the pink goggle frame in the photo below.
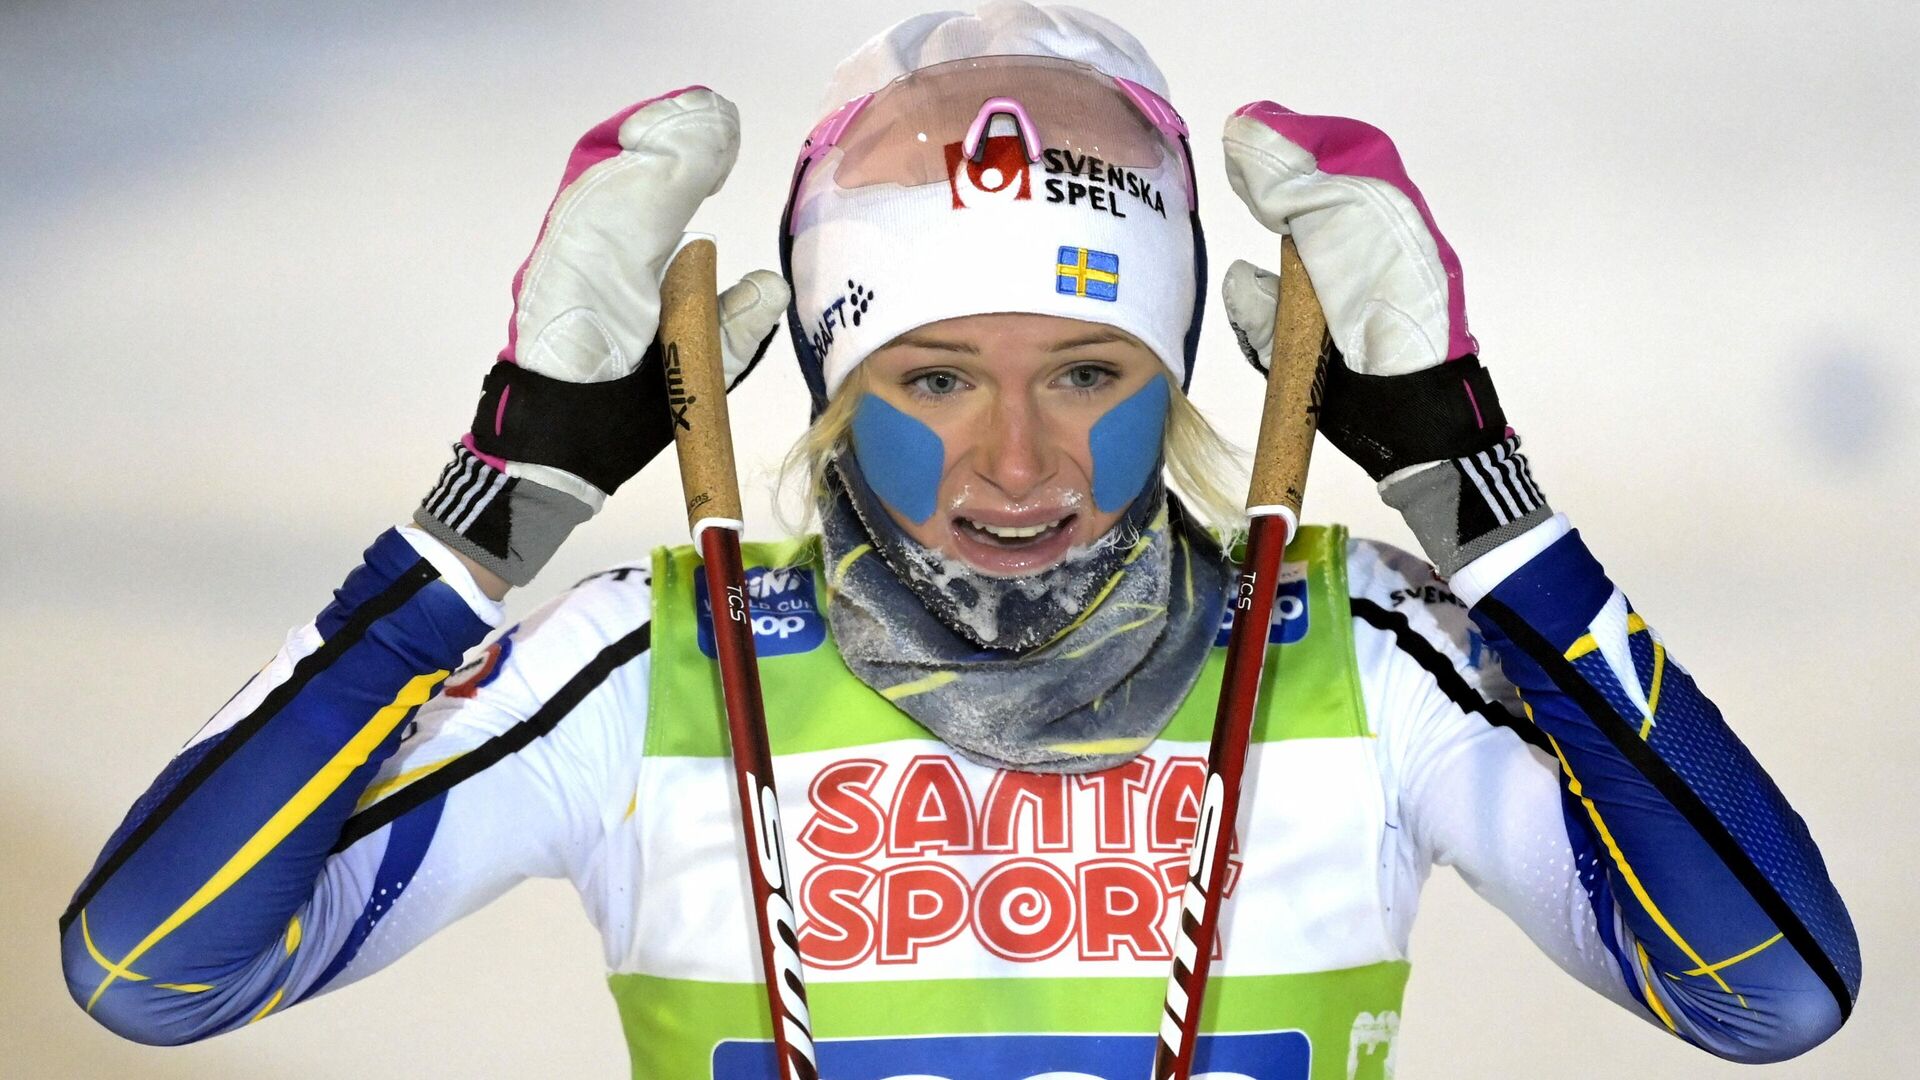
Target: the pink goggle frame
pixel 1151 106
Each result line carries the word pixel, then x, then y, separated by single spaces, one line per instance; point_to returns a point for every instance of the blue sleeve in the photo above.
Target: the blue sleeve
pixel 186 924
pixel 1734 937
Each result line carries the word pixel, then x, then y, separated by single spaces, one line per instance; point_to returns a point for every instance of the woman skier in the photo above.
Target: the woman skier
pixel 991 675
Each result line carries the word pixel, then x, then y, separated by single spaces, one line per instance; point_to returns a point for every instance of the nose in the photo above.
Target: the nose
pixel 1016 454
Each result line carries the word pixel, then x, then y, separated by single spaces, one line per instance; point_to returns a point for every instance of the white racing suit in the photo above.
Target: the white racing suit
pixel 365 789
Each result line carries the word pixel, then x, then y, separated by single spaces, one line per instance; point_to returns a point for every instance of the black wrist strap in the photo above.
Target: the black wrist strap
pixel 1388 422
pixel 602 432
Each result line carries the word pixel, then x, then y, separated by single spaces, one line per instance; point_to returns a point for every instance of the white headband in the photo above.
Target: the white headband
pixel 1068 235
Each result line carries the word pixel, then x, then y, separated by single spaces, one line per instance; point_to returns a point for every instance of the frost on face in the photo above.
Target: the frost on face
pixel 980 602
pixel 1071 670
pixel 1015 613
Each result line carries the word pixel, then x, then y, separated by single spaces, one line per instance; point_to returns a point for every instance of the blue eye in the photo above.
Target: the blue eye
pixel 935 383
pixel 1088 376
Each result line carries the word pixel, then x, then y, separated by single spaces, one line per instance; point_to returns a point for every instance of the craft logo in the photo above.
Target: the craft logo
pixel 1263 1055
pixel 844 311
pixel 780 608
pixel 1003 173
pixel 467 680
pixel 1077 179
pixel 887 843
pixel 1291 617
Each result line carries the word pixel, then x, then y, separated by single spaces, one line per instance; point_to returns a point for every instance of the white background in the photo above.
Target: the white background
pixel 254 263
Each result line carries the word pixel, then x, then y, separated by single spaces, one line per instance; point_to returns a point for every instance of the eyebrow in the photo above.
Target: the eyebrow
pixel 918 342
pixel 1098 337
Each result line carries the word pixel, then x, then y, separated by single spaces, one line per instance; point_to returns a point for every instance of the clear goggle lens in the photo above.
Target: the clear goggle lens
pixel 991 114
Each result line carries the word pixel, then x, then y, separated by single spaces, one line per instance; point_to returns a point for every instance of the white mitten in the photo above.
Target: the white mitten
pixel 1387 279
pixel 1406 398
pixel 587 299
pixel 577 402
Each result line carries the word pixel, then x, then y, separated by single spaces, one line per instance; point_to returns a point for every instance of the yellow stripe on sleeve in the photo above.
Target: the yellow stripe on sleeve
pixel 1732 960
pixel 272 1003
pixel 376 792
pixel 1626 871
pixel 1653 994
pixel 1659 671
pixel 288 818
pixel 113 970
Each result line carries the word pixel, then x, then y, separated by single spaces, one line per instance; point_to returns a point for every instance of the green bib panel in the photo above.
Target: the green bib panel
pixel 959 921
pixel 822 706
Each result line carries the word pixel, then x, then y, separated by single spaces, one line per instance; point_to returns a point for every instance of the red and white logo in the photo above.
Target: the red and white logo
pixel 907 858
pixel 481 670
pixel 1003 173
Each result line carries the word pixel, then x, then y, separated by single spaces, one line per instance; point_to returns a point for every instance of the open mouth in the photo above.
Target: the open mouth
pixel 1013 536
pixel 1013 547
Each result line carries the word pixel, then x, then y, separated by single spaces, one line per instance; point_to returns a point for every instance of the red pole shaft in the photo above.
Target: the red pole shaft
pixel 1252 601
pixel 696 387
pixel 1288 419
pixel 759 804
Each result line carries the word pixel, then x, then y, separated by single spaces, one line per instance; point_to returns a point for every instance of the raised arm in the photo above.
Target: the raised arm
pixel 188 918
pixel 261 860
pixel 1704 887
pixel 1671 876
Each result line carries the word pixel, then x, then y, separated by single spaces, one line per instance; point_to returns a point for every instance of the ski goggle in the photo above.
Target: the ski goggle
pixel 996 117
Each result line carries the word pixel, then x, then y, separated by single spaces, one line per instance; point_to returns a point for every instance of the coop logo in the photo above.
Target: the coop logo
pixel 1265 1055
pixel 1003 173
pixel 780 607
pixel 1290 613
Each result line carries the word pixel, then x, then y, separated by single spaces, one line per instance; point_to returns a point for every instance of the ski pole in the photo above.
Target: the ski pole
pixel 1295 380
pixel 703 441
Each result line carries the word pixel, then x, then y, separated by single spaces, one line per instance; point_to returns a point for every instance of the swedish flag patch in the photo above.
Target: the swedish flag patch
pixel 1085 272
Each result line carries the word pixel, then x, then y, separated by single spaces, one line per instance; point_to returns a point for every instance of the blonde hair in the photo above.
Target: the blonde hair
pixel 1208 472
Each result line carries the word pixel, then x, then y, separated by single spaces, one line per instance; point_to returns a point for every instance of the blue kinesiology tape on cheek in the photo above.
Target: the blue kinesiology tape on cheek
pixel 1125 444
pixel 900 456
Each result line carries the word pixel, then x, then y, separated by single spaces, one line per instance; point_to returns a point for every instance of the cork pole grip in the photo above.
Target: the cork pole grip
pixel 697 387
pixel 1296 379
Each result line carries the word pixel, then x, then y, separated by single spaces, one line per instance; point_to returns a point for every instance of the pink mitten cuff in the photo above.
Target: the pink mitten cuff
pixel 1388 279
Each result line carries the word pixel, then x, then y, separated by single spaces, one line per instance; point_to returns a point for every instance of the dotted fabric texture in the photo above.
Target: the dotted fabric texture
pixel 1591 865
pixel 1691 737
pixel 150 800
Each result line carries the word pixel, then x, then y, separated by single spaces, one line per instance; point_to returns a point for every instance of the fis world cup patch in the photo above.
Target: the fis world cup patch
pixel 1084 272
pixel 1290 615
pixel 780 606
pixel 1265 1055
